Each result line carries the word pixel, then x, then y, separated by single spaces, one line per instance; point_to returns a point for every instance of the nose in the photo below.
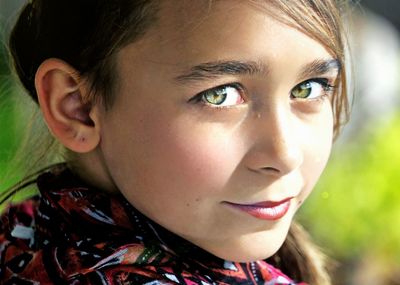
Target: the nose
pixel 277 142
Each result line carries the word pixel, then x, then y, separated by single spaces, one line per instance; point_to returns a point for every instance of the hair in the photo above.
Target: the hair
pixel 87 34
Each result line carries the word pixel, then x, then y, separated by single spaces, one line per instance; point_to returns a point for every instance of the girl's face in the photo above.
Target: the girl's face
pixel 221 125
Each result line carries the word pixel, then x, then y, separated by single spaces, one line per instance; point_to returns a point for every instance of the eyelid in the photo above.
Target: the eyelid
pixel 323 81
pixel 327 89
pixel 197 98
pixel 329 68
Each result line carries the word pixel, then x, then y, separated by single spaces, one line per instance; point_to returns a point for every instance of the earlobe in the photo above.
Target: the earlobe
pixel 61 97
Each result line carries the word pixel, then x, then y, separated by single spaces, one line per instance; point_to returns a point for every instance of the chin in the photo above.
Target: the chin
pixel 246 257
pixel 251 248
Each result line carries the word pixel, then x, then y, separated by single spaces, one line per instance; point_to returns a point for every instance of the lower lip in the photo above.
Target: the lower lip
pixel 264 213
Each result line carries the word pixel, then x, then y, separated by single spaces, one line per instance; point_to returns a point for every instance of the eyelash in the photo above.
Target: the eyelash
pixel 327 88
pixel 199 98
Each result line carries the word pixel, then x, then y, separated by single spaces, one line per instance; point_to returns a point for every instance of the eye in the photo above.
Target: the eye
pixel 311 89
pixel 221 96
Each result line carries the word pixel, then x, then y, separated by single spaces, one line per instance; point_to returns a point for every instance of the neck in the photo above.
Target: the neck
pixel 91 168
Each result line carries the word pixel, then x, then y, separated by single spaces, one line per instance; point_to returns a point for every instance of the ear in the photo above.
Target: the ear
pixel 61 97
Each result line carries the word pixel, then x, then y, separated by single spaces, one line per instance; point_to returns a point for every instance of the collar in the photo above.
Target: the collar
pixel 97 230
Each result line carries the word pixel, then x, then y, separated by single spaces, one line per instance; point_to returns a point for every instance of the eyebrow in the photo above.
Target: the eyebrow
pixel 215 69
pixel 212 70
pixel 319 67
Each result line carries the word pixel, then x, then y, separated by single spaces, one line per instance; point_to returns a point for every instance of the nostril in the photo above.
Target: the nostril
pixel 265 170
pixel 269 169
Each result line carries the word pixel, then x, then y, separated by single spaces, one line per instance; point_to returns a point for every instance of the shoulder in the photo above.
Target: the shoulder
pixel 277 277
pixel 18 222
pixel 25 258
pixel 17 241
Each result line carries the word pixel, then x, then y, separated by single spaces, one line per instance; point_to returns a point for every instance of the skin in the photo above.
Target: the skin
pixel 178 160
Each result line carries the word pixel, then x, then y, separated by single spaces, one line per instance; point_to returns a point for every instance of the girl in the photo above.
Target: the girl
pixel 194 130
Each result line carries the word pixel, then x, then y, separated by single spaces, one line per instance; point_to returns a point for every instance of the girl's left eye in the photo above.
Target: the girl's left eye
pixel 221 96
pixel 311 89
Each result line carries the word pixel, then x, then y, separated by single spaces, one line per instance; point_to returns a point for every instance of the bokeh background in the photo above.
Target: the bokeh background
pixel 354 212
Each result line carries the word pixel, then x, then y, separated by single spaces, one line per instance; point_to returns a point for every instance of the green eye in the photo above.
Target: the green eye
pixel 302 90
pixel 222 96
pixel 216 97
pixel 311 89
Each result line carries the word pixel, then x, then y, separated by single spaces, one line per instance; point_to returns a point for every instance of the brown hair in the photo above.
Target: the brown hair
pixel 84 33
pixel 88 33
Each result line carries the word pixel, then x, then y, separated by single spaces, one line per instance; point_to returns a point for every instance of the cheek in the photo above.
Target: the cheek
pixel 198 156
pixel 316 153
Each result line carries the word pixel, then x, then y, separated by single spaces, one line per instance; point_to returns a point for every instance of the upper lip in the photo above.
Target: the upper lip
pixel 264 204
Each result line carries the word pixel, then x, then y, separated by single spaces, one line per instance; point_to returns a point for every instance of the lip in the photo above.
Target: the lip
pixel 267 210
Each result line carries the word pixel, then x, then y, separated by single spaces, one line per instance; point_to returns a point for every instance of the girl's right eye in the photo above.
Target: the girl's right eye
pixel 221 96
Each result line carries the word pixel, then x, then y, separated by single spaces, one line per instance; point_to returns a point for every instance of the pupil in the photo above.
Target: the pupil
pixel 216 97
pixel 304 90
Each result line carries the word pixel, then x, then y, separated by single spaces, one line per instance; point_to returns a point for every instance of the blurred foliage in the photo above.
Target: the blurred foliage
pixel 355 209
pixel 7 112
pixel 13 126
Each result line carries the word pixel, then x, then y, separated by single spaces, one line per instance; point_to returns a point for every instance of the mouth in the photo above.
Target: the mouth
pixel 267 210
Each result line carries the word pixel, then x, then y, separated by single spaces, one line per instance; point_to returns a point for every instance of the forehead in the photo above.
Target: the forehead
pixel 189 32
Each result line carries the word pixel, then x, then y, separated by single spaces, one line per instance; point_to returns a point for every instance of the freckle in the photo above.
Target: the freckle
pixel 82 139
pixel 188 205
pixel 197 200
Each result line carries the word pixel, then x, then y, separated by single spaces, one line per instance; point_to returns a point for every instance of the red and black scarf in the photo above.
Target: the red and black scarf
pixel 74 234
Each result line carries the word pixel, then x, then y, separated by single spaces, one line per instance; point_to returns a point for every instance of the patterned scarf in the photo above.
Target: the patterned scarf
pixel 74 234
